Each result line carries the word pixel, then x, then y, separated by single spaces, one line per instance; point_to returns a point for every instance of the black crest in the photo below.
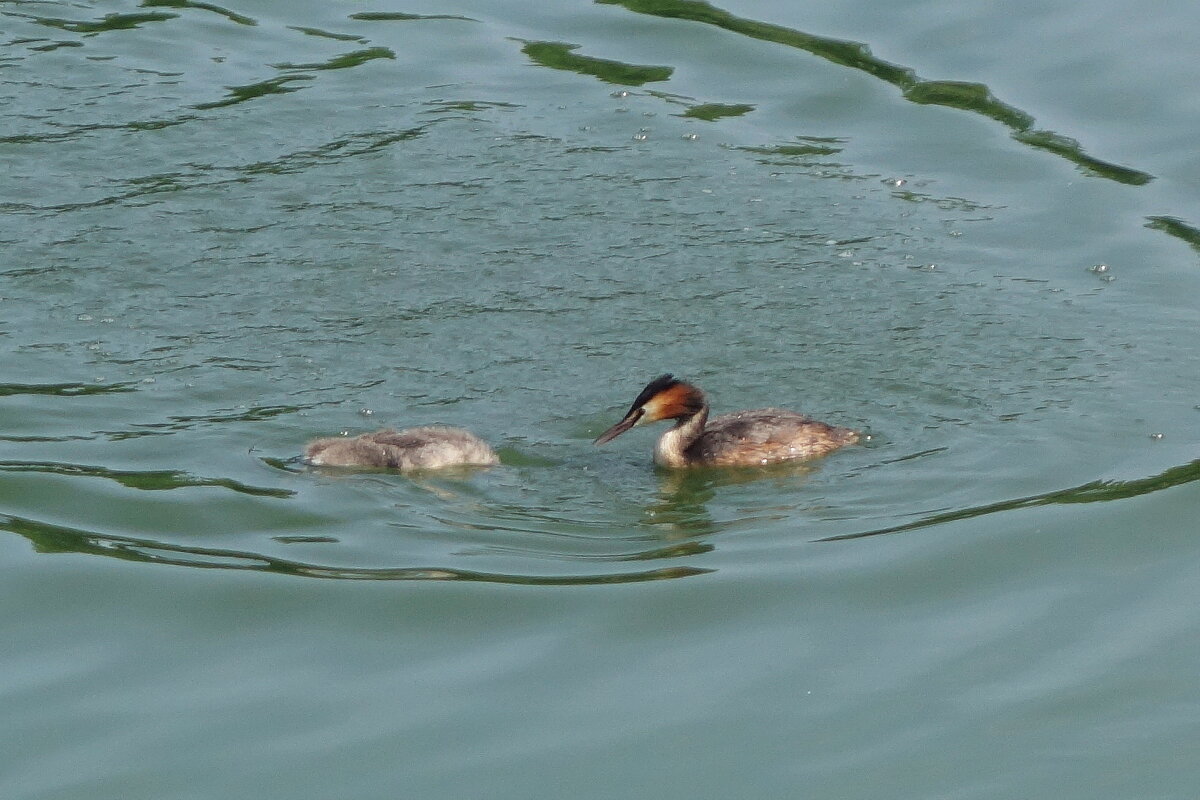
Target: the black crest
pixel 661 383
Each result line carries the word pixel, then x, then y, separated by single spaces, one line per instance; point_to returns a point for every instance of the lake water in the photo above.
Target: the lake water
pixel 970 230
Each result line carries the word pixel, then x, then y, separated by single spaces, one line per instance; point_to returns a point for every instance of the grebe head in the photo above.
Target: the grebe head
pixel 665 397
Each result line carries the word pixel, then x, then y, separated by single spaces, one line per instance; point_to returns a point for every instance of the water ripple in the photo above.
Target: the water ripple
pixel 397 16
pixel 252 91
pixel 965 96
pixel 1173 226
pixel 343 61
pixel 64 389
pixel 1092 492
pixel 49 538
pixel 111 22
pixel 150 480
pixel 182 422
pixel 232 16
pixel 559 55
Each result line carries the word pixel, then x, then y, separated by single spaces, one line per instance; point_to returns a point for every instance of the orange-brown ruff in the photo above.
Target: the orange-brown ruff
pixel 743 438
pixel 430 447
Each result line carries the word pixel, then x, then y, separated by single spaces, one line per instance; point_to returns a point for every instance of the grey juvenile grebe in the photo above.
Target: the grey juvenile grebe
pixel 743 438
pixel 430 447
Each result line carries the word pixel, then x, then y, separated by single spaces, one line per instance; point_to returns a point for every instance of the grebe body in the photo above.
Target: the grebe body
pixel 430 447
pixel 743 438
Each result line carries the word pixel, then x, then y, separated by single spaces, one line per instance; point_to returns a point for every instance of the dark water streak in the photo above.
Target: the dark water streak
pixel 343 61
pixel 110 22
pixel 1092 492
pixel 151 480
pixel 399 16
pixel 1173 226
pixel 559 55
pixel 194 176
pixel 177 423
pixel 973 97
pixel 232 16
pixel 711 112
pixel 49 538
pixel 63 389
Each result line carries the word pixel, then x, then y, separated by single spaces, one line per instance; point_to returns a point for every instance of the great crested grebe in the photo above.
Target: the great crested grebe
pixel 430 447
pixel 740 439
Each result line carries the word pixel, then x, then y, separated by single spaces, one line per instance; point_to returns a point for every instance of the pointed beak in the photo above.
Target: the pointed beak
pixel 616 430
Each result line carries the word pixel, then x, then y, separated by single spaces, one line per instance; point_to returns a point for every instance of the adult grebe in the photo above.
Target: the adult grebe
pixel 430 447
pixel 743 438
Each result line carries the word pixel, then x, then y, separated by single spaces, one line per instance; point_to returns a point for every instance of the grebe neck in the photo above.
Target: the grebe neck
pixel 672 446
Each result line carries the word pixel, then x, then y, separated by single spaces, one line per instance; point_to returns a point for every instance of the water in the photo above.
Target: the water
pixel 231 229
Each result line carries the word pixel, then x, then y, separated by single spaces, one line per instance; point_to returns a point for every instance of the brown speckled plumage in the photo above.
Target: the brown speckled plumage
pixel 743 438
pixel 430 447
pixel 764 436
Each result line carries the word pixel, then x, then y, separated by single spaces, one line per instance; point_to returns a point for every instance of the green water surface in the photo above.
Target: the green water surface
pixel 970 231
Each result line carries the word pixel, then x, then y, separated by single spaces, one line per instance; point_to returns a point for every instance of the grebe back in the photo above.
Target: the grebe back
pixel 429 447
pixel 743 438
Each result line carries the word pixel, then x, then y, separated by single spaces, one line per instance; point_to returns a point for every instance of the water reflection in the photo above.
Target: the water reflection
pixel 1092 492
pixel 195 175
pixel 232 16
pixel 183 422
pixel 111 22
pixel 397 16
pixel 1173 226
pixel 149 480
pixel 667 528
pixel 711 112
pixel 343 61
pixel 802 147
pixel 559 55
pixel 679 550
pixel 48 538
pixel 323 34
pixel 682 509
pixel 252 91
pixel 63 389
pixel 974 97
